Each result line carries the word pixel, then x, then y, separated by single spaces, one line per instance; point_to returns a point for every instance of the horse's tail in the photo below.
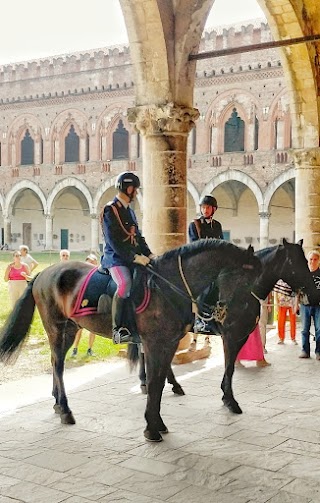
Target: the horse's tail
pixel 16 328
pixel 133 355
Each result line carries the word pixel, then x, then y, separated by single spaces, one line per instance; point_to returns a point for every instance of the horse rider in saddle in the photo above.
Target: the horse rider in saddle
pixel 124 247
pixel 203 227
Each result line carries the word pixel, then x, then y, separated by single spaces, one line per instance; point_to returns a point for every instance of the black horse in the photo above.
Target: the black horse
pixel 242 298
pixel 286 262
pixel 180 276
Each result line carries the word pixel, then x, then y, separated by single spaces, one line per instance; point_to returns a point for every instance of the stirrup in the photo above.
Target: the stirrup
pixel 121 335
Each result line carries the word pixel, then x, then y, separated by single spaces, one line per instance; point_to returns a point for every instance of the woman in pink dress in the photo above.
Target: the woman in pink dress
pixel 16 275
pixel 252 350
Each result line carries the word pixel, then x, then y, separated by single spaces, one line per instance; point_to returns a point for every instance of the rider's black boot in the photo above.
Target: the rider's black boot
pixel 123 314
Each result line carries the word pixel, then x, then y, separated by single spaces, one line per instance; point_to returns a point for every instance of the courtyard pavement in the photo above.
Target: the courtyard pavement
pixel 270 453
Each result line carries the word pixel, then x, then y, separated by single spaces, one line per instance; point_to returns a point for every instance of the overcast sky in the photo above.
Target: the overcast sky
pixel 34 29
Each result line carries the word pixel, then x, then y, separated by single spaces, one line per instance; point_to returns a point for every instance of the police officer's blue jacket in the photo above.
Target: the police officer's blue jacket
pixel 123 239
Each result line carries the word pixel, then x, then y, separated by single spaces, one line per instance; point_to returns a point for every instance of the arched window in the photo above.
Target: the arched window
pixel 256 133
pixel 120 142
pixel 27 149
pixel 234 133
pixel 71 144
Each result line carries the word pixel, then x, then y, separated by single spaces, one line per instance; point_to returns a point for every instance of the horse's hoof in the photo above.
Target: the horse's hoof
pixel 177 390
pixel 57 408
pixel 143 388
pixel 233 406
pixel 68 418
pixel 152 437
pixel 163 429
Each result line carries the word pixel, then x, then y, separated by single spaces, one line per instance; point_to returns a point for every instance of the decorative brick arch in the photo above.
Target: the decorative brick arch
pixel 275 184
pixel 60 128
pixel 239 176
pixel 19 187
pixel 275 113
pixel 112 126
pixel 64 184
pixel 225 115
pixel 16 133
pixel 104 122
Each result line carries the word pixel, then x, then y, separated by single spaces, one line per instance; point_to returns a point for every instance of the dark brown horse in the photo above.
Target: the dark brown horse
pixel 242 298
pixel 165 321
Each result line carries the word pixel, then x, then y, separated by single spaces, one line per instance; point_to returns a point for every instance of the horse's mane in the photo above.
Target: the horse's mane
pixel 201 245
pixel 267 252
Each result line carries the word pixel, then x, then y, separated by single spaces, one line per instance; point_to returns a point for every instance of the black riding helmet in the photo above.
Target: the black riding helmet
pixel 125 180
pixel 209 200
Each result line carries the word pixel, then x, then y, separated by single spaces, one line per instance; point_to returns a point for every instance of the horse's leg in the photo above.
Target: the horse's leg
pixel 158 359
pixel 59 347
pixel 231 347
pixel 142 372
pixel 176 388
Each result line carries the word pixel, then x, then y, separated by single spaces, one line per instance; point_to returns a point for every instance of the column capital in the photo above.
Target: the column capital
pixel 264 214
pixel 309 156
pixel 163 119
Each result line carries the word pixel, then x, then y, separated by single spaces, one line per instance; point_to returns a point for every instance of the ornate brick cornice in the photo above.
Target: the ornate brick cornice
pixel 226 78
pixel 167 119
pixel 70 98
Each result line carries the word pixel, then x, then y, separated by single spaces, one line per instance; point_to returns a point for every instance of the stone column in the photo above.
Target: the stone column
pixel 250 140
pixel 13 152
pixel 7 230
pixel 83 147
pixel 94 232
pixel 49 228
pixel 37 151
pixel 264 229
pixel 307 164
pixel 164 131
pixel 56 152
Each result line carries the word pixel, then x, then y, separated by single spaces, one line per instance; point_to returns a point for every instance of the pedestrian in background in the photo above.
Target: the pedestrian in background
pixel 64 255
pixel 16 275
pixel 286 306
pixel 308 312
pixel 27 259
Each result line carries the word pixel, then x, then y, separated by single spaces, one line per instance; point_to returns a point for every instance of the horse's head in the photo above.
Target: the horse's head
pixel 252 263
pixel 296 273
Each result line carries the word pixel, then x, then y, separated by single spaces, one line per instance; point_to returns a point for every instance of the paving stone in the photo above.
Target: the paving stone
pixel 269 454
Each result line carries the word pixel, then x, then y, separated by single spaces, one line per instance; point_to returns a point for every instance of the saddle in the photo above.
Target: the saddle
pixel 98 288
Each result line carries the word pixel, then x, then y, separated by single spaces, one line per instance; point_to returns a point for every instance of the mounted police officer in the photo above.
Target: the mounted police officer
pixel 205 227
pixel 124 247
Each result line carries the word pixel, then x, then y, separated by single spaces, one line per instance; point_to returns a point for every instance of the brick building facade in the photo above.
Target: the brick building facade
pixel 65 135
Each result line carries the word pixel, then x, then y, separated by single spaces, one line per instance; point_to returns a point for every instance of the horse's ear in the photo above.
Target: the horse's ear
pixel 284 241
pixel 300 242
pixel 251 249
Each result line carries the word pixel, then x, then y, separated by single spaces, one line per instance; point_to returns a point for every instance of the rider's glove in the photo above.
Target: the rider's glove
pixel 141 260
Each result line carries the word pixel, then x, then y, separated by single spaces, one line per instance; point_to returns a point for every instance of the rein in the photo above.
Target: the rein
pixel 189 297
pixel 195 308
